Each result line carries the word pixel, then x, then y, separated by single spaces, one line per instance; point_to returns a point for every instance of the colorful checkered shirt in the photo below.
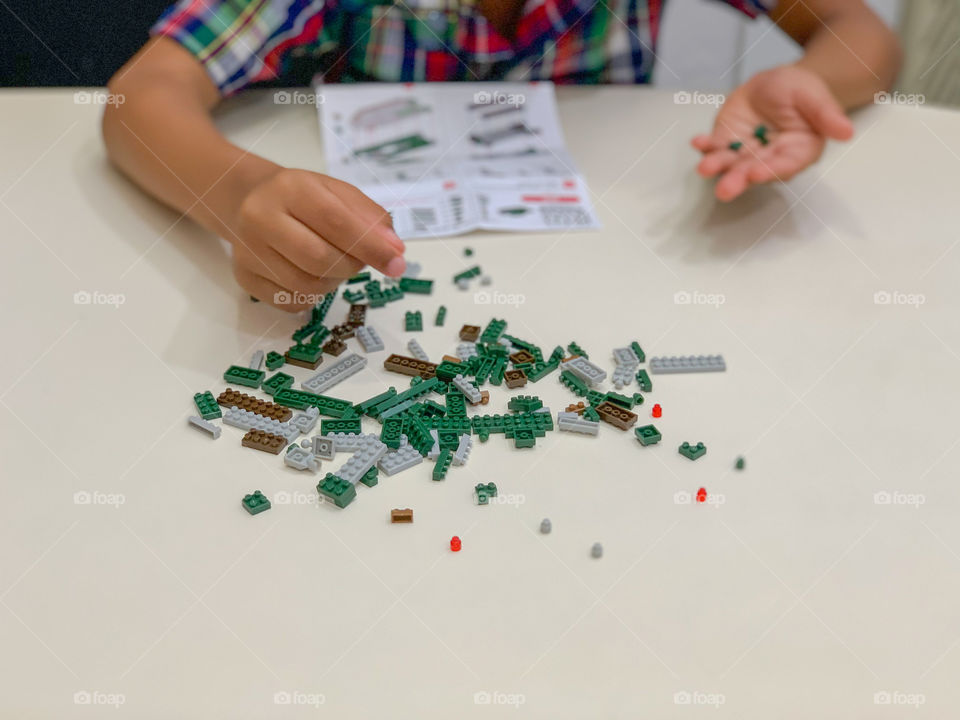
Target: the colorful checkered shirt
pixel 241 42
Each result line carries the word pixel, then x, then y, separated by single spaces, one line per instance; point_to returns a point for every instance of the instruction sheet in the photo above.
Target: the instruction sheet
pixel 448 158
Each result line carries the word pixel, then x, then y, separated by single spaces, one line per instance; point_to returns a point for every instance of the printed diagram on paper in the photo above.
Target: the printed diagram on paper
pixel 448 158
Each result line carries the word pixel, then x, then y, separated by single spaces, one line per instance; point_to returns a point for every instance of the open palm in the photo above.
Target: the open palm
pixel 800 114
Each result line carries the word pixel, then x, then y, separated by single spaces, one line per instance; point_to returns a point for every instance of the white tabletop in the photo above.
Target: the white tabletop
pixel 800 595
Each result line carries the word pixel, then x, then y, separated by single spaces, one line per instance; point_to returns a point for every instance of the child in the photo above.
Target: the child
pixel 297 233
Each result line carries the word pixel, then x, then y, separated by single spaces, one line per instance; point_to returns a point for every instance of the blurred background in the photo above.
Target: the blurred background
pixel 703 45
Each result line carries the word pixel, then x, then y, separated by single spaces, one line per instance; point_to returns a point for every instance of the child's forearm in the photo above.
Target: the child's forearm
pixel 845 43
pixel 163 138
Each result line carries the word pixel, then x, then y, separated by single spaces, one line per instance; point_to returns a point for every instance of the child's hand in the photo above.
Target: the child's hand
pixel 299 234
pixel 800 114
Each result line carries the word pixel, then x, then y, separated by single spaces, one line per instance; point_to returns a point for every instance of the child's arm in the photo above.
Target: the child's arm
pixel 849 56
pixel 293 231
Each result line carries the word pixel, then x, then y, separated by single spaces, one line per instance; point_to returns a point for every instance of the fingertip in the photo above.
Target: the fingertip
pixel 396 267
pixel 760 173
pixel 395 240
pixel 701 142
pixel 731 186
pixel 844 129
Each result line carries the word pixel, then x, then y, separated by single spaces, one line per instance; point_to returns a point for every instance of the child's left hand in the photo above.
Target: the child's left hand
pixel 800 114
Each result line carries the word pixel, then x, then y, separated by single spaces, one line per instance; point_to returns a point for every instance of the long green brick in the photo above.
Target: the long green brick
pixel 239 375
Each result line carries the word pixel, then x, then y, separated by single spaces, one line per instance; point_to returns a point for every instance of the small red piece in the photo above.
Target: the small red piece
pixel 455 543
pixel 702 495
pixel 657 410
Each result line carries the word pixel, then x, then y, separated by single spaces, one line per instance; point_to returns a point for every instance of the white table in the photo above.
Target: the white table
pixel 799 596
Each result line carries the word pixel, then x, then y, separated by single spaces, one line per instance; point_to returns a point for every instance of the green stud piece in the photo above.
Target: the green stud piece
pixel 575 384
pixel 760 133
pixel 577 350
pixel 643 378
pixel 416 286
pixel 524 438
pixel 485 492
pixel 525 403
pixel 239 375
pixel 371 477
pixel 274 360
pixel 595 397
pixel 418 434
pixel 540 370
pixel 337 490
pixel 255 503
pixel 735 145
pixel 693 451
pixel 624 401
pixel 468 251
pixel 493 331
pixel 367 406
pixel 648 435
pixel 741 463
pixel 344 425
pixel 207 405
pixel 456 404
pixel 307 353
pixel 413 321
pixel 591 414
pixel 391 432
pixel 448 370
pixel 444 459
pixel 276 382
pixel 467 274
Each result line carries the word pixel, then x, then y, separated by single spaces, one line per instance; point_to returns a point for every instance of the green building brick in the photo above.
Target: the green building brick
pixel 575 384
pixel 648 435
pixel 337 490
pixel 484 492
pixel 493 331
pixel 468 273
pixel 371 477
pixel 276 382
pixel 525 403
pixel 413 321
pixel 367 406
pixel 344 425
pixel 207 405
pixel 391 432
pixel 415 286
pixel 644 380
pixel 239 375
pixel 456 404
pixel 256 502
pixel 274 360
pixel 444 459
pixel 577 350
pixel 693 451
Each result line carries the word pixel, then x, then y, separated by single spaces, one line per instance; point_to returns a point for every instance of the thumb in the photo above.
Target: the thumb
pixel 820 108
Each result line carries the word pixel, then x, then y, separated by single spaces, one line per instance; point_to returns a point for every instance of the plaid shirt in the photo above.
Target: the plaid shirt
pixel 241 42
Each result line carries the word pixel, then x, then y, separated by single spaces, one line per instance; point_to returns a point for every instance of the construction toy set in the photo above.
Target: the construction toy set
pixel 437 417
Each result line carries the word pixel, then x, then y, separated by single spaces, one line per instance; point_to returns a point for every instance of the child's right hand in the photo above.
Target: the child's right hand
pixel 299 234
